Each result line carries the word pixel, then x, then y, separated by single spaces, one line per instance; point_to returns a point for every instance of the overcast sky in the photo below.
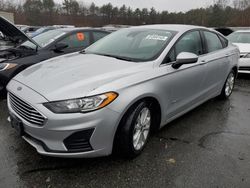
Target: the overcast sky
pixel 169 5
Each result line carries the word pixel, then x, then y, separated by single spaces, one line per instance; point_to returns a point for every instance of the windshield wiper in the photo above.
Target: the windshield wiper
pixel 118 57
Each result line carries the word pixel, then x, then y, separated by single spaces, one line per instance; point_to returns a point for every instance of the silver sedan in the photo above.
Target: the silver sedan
pixel 113 95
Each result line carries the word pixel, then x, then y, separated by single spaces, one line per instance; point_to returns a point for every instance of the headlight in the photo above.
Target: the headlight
pixel 6 66
pixel 246 56
pixel 86 104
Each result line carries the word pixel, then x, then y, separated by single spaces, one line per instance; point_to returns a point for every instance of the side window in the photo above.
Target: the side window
pixel 213 41
pixel 171 57
pixel 224 41
pixel 77 40
pixel 190 42
pixel 98 35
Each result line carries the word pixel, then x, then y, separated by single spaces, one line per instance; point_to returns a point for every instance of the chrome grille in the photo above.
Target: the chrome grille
pixel 26 111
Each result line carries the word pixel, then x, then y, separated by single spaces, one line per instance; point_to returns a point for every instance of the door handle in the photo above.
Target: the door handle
pixel 227 55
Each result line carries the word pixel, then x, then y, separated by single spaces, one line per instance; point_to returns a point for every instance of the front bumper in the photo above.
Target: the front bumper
pixel 244 65
pixel 49 139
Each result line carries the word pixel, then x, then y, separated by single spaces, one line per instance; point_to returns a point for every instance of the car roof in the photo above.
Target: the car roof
pixel 171 27
pixel 79 29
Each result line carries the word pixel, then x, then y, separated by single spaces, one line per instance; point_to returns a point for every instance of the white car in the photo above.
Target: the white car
pixel 241 39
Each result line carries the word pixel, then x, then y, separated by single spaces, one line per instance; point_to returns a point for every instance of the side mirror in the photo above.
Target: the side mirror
pixel 60 46
pixel 185 58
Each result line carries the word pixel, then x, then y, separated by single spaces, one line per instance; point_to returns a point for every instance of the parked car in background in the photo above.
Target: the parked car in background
pixel 48 28
pixel 30 29
pixel 114 27
pixel 224 30
pixel 64 26
pixel 44 46
pixel 241 39
pixel 114 93
pixel 41 30
pixel 27 29
pixel 19 26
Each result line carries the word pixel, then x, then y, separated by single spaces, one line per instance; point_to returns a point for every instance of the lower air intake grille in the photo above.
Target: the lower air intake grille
pixel 79 141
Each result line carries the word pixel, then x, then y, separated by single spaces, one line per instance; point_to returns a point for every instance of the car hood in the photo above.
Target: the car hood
pixel 243 47
pixel 13 33
pixel 76 75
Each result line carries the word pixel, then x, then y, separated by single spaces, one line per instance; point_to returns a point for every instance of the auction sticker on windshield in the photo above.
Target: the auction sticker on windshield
pixel 156 37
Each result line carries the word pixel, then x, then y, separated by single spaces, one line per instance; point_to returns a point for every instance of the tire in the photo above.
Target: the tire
pixel 228 86
pixel 132 131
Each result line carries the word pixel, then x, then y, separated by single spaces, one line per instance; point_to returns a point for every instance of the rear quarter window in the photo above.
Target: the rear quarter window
pixel 213 42
pixel 224 41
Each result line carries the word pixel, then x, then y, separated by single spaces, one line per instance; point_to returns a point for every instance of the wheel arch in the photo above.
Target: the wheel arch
pixel 235 69
pixel 154 104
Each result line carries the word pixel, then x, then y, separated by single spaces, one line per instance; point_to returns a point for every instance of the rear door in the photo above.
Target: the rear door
pixel 215 63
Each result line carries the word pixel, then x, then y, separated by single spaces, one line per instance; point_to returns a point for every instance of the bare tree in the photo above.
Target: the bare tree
pixel 241 4
pixel 222 3
pixel 46 12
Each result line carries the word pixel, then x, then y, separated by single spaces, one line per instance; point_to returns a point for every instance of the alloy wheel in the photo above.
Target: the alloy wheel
pixel 229 84
pixel 141 129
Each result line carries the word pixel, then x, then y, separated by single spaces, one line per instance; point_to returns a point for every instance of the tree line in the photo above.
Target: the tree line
pixel 73 12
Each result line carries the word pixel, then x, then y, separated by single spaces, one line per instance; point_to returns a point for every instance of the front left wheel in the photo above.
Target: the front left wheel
pixel 134 130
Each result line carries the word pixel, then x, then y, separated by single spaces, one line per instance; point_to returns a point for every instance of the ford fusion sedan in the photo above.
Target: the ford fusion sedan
pixel 27 51
pixel 241 39
pixel 113 95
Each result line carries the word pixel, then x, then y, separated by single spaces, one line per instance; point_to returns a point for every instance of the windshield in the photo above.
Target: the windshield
pixel 239 37
pixel 133 44
pixel 44 39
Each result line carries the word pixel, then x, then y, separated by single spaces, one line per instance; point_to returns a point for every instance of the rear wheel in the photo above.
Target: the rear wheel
pixel 134 130
pixel 228 86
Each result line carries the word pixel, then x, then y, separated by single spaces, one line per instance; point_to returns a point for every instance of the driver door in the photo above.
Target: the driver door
pixel 185 82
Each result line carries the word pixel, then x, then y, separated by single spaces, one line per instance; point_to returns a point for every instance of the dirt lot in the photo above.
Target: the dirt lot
pixel 208 147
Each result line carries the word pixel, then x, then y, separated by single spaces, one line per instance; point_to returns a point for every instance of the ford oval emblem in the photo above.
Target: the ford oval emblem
pixel 19 88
